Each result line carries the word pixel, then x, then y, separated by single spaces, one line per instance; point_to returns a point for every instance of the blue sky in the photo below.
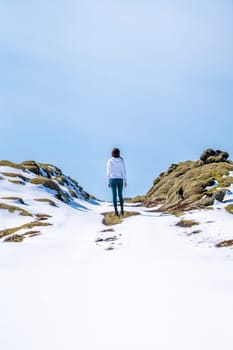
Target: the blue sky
pixel 79 77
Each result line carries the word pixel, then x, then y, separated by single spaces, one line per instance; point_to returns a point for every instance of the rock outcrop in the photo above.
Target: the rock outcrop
pixel 34 192
pixel 211 156
pixel 192 184
pixel 49 176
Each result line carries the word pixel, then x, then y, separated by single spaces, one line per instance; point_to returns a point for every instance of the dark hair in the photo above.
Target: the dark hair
pixel 116 153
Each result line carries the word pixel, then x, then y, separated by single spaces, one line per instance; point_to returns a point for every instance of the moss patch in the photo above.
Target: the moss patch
pixel 137 199
pixel 10 164
pixel 46 200
pixel 229 208
pixel 227 243
pixel 32 166
pixel 111 219
pixel 42 217
pixel 22 177
pixel 19 199
pixel 40 180
pixel 31 233
pixel 13 208
pixel 29 225
pixel 50 169
pixel 19 182
pixel 14 238
pixel 177 213
pixel 187 223
pixel 19 238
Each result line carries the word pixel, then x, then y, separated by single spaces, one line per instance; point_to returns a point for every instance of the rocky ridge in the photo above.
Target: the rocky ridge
pixel 31 193
pixel 51 177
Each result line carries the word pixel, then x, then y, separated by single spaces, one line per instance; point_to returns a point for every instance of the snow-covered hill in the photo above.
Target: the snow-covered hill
pixel 146 283
pixel 31 198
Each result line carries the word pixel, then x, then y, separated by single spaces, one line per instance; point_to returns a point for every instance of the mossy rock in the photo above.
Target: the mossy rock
pixel 10 164
pixel 85 195
pixel 73 187
pixel 187 223
pixel 14 175
pixel 206 154
pixel 32 224
pixel 211 156
pixel 188 184
pixel 49 183
pixel 49 176
pixel 40 180
pixel 177 213
pixel 65 181
pixel 14 238
pixel 207 200
pixel 91 196
pixel 226 181
pixel 32 233
pixel 35 168
pixel 219 195
pixel 28 163
pixel 12 209
pixel 136 199
pixel 18 199
pixel 17 182
pixel 46 200
pixel 52 170
pixel 171 168
pixel 60 180
pixel 73 193
pixel 199 163
pixel 41 216
pixel 156 181
pixel 75 182
pixel 111 219
pixel 229 208
pixel 227 243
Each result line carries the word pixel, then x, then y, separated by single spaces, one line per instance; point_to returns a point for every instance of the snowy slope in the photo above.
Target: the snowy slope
pixel 214 224
pixel 161 287
pixel 27 197
pixel 154 290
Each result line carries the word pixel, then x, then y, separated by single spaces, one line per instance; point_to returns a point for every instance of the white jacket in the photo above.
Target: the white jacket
pixel 116 169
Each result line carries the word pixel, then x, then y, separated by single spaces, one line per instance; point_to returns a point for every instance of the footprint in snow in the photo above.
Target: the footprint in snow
pixel 106 240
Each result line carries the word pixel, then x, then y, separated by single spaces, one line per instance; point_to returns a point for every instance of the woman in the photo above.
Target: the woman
pixel 116 174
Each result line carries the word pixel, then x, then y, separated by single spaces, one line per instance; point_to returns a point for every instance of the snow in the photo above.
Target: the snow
pixel 161 287
pixel 213 186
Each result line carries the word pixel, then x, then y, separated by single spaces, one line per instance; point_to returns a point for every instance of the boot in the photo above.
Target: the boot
pixel 116 212
pixel 122 212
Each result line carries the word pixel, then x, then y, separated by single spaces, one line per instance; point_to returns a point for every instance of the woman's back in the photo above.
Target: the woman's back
pixel 116 169
pixel 116 175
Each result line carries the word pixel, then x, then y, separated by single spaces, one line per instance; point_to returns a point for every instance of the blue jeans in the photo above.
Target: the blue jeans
pixel 117 188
